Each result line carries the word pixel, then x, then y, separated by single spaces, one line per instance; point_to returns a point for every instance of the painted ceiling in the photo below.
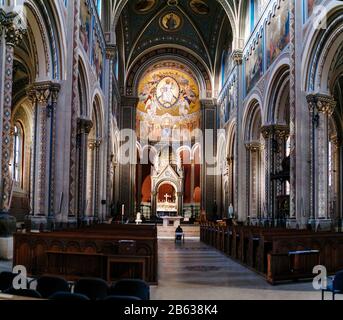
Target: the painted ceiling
pixel 193 24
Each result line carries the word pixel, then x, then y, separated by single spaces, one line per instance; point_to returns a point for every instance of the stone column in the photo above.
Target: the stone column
pixel 209 150
pixel 180 203
pixel 281 136
pixel 111 56
pixel 94 177
pixel 241 203
pixel 321 108
pixel 10 35
pixel 268 133
pixel 128 170
pixel 334 193
pixel 274 136
pixel 84 128
pixel 44 98
pixel 153 204
pixel 253 192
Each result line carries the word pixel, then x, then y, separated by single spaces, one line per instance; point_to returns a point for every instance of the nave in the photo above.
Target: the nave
pixel 195 271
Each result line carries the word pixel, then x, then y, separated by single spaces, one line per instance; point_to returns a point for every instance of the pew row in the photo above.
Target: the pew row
pixel 277 254
pixel 110 252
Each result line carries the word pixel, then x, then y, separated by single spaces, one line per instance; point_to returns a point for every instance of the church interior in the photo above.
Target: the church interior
pixel 171 149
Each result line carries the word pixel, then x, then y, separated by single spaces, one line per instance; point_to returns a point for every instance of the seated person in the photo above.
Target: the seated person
pixel 178 233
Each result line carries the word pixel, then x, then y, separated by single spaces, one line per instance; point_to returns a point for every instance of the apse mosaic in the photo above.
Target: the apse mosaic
pixel 278 35
pixel 168 101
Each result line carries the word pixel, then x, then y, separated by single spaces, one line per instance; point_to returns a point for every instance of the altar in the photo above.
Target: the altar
pixel 168 220
pixel 167 208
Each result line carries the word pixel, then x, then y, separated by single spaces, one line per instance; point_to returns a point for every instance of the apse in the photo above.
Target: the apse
pixel 169 104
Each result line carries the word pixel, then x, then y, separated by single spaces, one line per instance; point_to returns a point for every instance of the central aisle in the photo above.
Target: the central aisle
pixel 194 271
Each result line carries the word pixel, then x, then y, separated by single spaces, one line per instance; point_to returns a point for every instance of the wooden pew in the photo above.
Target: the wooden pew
pixel 90 252
pixel 269 251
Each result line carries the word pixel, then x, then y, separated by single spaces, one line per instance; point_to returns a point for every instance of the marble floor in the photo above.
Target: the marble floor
pixel 194 271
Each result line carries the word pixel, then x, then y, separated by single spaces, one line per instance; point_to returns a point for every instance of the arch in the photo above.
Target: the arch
pixel 178 54
pixel 252 111
pixel 325 45
pixel 98 103
pixel 277 88
pixel 42 31
pixel 83 88
pixel 231 133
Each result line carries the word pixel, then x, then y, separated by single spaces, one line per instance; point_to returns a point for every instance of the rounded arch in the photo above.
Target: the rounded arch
pixel 178 54
pixel 325 45
pixel 277 94
pixel 253 109
pixel 231 137
pixel 42 31
pixel 98 109
pixel 184 149
pixel 83 89
pixel 176 185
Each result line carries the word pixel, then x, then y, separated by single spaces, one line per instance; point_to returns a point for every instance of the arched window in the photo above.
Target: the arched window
pixel 18 147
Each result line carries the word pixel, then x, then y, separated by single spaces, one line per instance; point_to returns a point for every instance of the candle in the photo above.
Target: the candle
pixel 123 210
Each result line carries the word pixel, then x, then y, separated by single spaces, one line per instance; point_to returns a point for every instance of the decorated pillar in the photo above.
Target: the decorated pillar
pixel 127 155
pixel 240 204
pixel 268 133
pixel 253 191
pixel 10 35
pixel 84 128
pixel 180 203
pixel 321 108
pixel 93 202
pixel 111 56
pixel 44 96
pixel 208 175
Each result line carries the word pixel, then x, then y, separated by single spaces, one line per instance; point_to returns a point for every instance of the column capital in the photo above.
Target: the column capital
pixel 267 131
pixel 321 102
pixel 111 52
pixel 84 125
pixel 237 56
pixel 278 130
pixel 41 92
pixel 253 146
pixel 12 24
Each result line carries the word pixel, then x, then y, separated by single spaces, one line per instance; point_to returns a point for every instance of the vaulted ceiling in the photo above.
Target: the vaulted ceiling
pixel 199 26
